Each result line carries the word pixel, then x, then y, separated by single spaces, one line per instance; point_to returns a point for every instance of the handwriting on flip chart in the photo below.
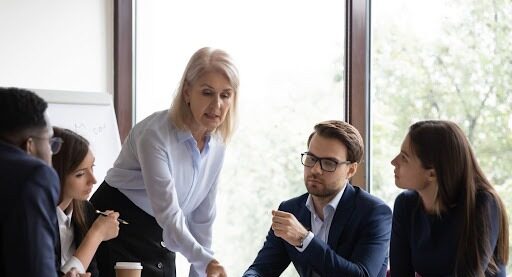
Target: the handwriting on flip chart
pixel 92 116
pixel 95 130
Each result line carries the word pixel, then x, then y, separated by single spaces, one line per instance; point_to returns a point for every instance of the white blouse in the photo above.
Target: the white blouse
pixel 161 170
pixel 67 245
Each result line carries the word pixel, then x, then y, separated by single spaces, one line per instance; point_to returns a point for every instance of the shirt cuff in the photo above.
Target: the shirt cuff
pixel 75 263
pixel 306 241
pixel 199 268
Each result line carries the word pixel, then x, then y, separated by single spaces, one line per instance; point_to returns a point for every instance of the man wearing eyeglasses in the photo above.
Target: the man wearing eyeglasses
pixel 29 187
pixel 335 229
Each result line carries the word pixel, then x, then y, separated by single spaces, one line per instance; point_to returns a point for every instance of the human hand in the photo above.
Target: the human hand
pixel 286 226
pixel 106 227
pixel 74 273
pixel 215 269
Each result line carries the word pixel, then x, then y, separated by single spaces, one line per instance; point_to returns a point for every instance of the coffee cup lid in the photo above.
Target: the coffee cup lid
pixel 128 265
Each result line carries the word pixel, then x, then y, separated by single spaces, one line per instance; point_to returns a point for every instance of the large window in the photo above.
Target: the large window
pixel 290 56
pixel 442 60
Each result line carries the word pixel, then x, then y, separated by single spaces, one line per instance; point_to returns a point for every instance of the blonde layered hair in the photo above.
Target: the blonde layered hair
pixel 203 61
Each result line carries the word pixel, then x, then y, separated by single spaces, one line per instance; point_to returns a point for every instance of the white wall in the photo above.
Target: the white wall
pixel 57 44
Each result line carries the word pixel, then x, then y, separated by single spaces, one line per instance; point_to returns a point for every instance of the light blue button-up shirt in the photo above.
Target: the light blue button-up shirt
pixel 161 170
pixel 320 228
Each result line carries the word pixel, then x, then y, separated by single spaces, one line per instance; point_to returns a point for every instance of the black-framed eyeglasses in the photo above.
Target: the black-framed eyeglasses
pixel 326 164
pixel 55 143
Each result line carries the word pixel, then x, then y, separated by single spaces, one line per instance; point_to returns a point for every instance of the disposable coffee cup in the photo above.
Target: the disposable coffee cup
pixel 128 269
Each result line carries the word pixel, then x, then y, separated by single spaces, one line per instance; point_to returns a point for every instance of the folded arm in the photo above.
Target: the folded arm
pixel 103 228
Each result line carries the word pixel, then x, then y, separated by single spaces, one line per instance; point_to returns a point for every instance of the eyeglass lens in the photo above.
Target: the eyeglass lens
pixel 326 164
pixel 55 144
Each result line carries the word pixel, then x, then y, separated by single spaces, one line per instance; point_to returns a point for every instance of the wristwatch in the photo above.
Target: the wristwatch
pixel 301 240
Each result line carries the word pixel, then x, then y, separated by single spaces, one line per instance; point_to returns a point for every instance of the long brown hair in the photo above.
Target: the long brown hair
pixel 442 146
pixel 72 153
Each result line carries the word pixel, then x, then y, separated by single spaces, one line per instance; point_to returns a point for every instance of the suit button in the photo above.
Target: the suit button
pixel 160 265
pixel 162 243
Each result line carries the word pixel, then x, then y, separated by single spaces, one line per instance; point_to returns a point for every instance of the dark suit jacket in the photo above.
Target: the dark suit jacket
pixel 28 225
pixel 357 244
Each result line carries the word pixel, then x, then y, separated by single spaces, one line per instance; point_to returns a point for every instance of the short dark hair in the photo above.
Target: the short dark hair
pixel 345 133
pixel 21 110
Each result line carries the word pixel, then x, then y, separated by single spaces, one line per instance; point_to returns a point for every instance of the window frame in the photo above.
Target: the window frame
pixel 123 65
pixel 357 51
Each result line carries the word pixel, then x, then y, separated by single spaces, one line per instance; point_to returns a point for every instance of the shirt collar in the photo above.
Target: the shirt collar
pixel 187 135
pixel 12 148
pixel 333 204
pixel 183 135
pixel 63 218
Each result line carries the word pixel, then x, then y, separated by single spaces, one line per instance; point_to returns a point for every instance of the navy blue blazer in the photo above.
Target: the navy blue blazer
pixel 428 244
pixel 28 226
pixel 357 244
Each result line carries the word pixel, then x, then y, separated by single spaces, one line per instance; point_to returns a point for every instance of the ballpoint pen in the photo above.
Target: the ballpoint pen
pixel 105 214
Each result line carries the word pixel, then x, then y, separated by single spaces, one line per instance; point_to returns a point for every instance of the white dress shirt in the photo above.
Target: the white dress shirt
pixel 161 170
pixel 67 244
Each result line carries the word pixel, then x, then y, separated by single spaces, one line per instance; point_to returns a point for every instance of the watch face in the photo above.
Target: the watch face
pixel 301 240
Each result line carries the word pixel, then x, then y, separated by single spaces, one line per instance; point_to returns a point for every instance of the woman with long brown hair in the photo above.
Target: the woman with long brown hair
pixel 80 231
pixel 450 221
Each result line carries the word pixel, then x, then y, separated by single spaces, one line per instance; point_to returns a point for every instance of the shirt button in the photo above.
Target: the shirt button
pixel 162 243
pixel 160 265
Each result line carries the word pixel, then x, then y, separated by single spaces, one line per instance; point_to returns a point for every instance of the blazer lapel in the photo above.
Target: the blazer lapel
pixel 341 216
pixel 304 215
pixel 57 246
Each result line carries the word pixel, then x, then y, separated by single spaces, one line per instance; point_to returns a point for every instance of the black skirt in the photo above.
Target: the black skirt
pixel 139 241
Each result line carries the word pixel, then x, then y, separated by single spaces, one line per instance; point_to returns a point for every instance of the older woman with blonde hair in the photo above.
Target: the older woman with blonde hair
pixel 164 181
